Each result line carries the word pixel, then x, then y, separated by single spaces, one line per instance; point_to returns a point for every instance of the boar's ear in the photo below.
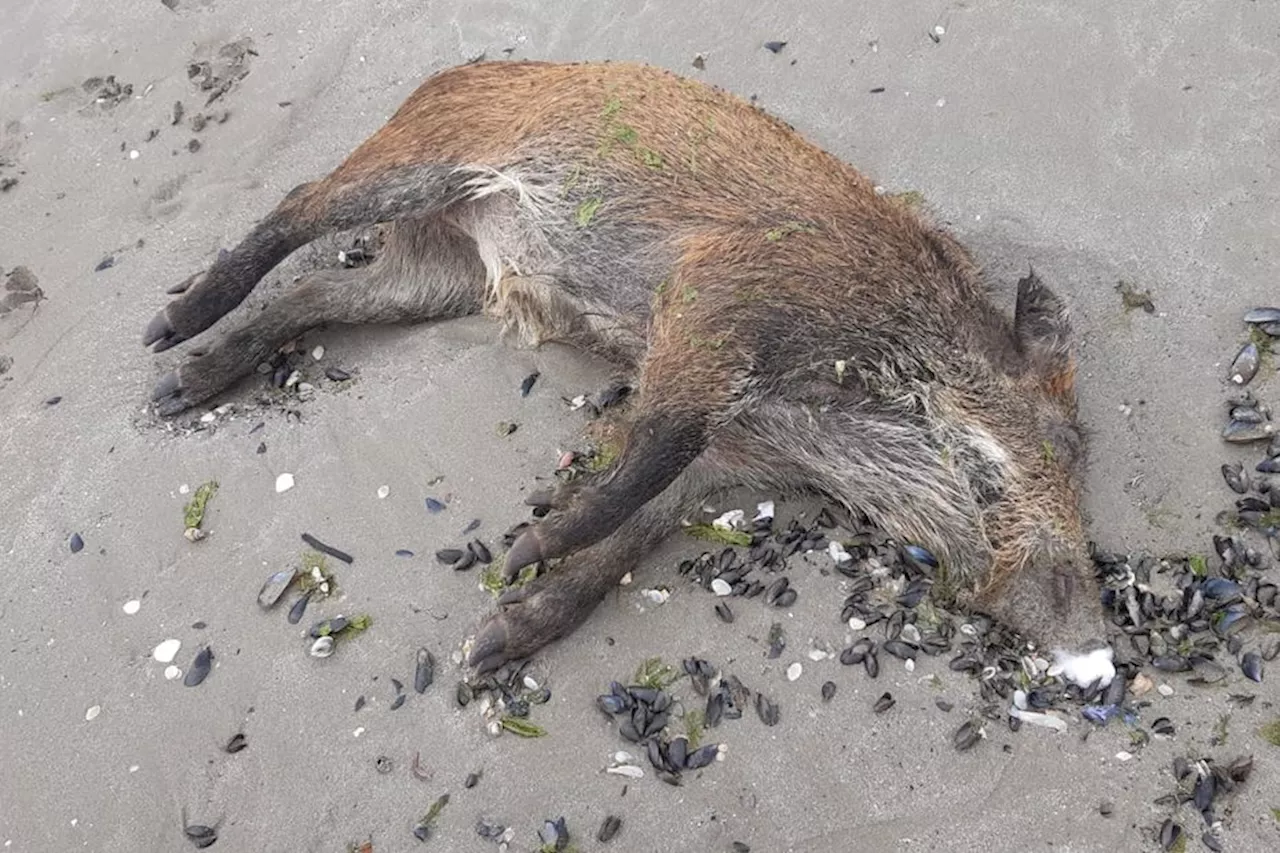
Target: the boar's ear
pixel 1043 327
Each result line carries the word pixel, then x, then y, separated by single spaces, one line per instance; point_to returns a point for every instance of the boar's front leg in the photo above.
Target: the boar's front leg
pixel 553 605
pixel 688 391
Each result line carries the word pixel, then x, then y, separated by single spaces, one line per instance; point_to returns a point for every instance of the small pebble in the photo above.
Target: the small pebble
pixel 1165 690
pixel 134 154
pixel 284 483
pixel 317 353
pixel 856 624
pixel 794 671
pixel 172 672
pixel 383 491
pixel 93 712
pixel 166 651
pixel 132 607
pixel 721 587
pixel 1123 756
pixel 76 543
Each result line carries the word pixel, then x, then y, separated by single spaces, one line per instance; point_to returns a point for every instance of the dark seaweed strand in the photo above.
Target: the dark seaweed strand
pixel 327 549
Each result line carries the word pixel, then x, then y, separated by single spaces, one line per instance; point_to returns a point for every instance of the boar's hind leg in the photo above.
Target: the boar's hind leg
pixel 347 198
pixel 427 270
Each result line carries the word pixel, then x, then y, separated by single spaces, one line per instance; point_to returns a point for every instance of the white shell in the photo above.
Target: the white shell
pixel 131 607
pixel 322 647
pixel 794 671
pixel 93 712
pixel 657 596
pixel 166 651
pixel 721 587
pixel 856 624
pixel 171 672
pixel 317 353
pixel 631 771
pixel 284 483
pixel 383 491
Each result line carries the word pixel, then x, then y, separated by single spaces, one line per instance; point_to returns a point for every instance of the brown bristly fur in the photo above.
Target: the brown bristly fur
pixel 789 329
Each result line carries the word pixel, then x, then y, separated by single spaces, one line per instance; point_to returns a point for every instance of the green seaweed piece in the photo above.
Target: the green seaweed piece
pixel 522 727
pixel 193 513
pixel 606 454
pixel 655 674
pixel 1198 564
pixel 356 625
pixel 1271 732
pixel 908 198
pixel 1220 730
pixel 694 725
pixel 711 533
pixel 313 562
pixel 491 577
pixel 434 812
pixel 1131 297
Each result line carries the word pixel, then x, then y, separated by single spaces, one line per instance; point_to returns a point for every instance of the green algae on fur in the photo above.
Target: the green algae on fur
pixel 786 229
pixel 587 210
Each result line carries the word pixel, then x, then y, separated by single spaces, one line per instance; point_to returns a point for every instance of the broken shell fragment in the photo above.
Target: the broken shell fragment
pixel 425 672
pixel 166 651
pixel 1245 365
pixel 322 647
pixel 200 668
pixel 275 587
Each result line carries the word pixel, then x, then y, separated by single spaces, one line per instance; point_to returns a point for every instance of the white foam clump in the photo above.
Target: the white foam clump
pixel 734 519
pixel 837 552
pixel 1085 669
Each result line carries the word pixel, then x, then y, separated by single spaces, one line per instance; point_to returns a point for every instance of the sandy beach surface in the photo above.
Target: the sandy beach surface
pixel 1101 142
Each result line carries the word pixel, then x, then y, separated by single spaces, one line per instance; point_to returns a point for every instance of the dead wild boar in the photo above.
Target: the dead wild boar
pixel 789 329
